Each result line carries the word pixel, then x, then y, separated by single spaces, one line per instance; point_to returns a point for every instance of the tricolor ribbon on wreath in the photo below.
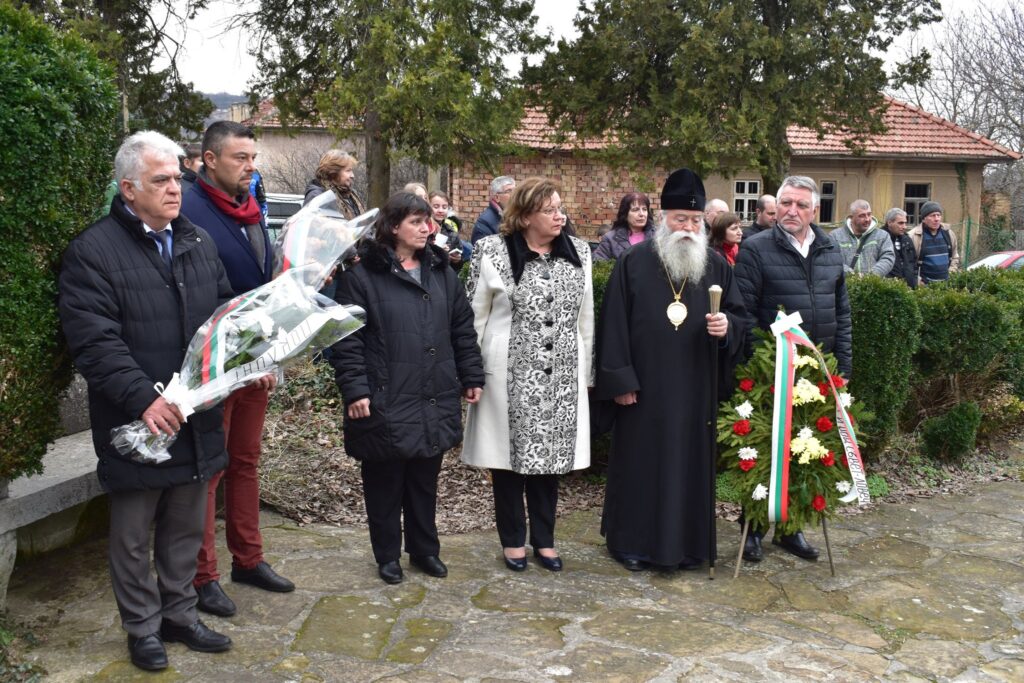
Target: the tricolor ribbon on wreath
pixel 789 335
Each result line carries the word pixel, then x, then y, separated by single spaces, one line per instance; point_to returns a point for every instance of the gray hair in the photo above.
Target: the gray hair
pixel 762 201
pixel 500 183
pixel 801 182
pixel 894 213
pixel 718 204
pixel 128 161
pixel 859 205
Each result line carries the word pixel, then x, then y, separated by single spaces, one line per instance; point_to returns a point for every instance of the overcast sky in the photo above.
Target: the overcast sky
pixel 218 61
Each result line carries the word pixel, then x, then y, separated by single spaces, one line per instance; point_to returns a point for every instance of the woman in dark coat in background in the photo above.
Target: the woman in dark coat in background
pixel 633 224
pixel 402 378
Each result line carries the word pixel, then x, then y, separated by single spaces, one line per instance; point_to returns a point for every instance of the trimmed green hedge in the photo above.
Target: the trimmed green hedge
pixel 886 326
pixel 58 116
pixel 951 436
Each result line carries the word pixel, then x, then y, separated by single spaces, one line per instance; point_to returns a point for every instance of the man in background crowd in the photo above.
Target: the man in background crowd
pixel 866 248
pixel 764 217
pixel 490 218
pixel 935 246
pixel 905 265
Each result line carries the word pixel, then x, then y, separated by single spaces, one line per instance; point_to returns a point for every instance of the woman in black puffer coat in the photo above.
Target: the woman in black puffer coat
pixel 403 377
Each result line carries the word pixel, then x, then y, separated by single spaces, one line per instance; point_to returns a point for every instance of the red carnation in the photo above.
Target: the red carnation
pixel 852 421
pixel 741 427
pixel 838 381
pixel 746 384
pixel 823 388
pixel 747 465
pixel 829 459
pixel 771 389
pixel 818 503
pixel 824 424
pixel 845 461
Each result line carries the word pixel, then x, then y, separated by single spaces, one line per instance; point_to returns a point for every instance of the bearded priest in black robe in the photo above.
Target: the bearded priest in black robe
pixel 656 360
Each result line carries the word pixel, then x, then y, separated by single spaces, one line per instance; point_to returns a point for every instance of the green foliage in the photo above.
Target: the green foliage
pixel 57 112
pixel 951 436
pixel 810 475
pixel 1007 288
pixel 878 487
pixel 962 332
pixel 427 79
pixel 133 37
pixel 886 325
pixel 601 271
pixel 719 82
pixel 729 487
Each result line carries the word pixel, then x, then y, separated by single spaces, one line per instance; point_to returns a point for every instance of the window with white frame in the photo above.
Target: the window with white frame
pixel 827 206
pixel 744 198
pixel 914 197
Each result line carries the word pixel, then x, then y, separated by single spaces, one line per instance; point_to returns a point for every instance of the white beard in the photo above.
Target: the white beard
pixel 684 254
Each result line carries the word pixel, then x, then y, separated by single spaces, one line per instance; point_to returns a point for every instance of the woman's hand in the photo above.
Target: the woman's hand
pixel 472 395
pixel 359 409
pixel 455 255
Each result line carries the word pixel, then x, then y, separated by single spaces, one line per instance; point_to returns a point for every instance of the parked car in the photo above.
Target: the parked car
pixel 1013 260
pixel 281 207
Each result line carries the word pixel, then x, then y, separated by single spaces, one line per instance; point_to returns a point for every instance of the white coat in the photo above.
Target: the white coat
pixel 537 340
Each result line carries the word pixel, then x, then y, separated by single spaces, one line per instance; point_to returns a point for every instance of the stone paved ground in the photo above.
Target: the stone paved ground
pixel 928 591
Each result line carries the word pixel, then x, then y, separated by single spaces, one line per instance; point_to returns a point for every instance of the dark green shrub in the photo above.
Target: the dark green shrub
pixel 961 332
pixel 58 114
pixel 951 436
pixel 1007 286
pixel 601 271
pixel 886 325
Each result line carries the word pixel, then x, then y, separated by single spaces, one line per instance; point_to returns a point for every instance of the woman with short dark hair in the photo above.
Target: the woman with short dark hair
pixel 402 378
pixel 726 234
pixel 531 291
pixel 633 224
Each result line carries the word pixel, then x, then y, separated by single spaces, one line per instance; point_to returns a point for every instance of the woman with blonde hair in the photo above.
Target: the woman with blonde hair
pixel 336 172
pixel 532 297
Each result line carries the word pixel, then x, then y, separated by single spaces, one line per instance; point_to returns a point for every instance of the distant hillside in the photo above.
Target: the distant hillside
pixel 223 100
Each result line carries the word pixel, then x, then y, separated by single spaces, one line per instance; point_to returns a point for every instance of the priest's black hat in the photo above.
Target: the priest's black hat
pixel 683 190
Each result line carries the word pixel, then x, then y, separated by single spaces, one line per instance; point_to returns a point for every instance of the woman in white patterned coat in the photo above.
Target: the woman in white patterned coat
pixel 532 296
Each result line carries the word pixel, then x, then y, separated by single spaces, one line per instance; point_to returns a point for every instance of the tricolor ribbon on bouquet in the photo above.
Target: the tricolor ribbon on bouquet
pixel 788 336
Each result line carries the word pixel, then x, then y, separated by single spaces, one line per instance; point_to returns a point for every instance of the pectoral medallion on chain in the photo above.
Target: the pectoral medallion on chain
pixel 676 313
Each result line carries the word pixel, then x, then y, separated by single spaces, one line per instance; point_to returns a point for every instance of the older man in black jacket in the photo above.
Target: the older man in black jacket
pixel 134 288
pixel 796 267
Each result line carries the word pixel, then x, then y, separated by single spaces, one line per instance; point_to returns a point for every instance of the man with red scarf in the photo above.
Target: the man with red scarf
pixel 220 203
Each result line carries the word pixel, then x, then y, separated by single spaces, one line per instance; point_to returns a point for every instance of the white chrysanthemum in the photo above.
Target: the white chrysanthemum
pixel 760 492
pixel 748 453
pixel 745 410
pixel 806 433
pixel 846 399
pixel 797 445
pixel 843 486
pixel 808 449
pixel 805 391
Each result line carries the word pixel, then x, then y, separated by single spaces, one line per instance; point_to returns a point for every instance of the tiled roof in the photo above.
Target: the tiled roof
pixel 268 116
pixel 911 132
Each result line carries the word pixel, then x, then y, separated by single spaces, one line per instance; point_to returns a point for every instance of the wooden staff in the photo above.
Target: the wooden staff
pixel 715 302
pixel 828 545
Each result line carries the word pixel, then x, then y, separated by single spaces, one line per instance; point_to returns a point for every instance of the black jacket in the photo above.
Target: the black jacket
pixel 906 259
pixel 127 320
pixel 772 275
pixel 415 355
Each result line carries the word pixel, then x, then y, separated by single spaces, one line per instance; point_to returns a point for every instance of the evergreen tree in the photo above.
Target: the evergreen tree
pixel 426 78
pixel 714 84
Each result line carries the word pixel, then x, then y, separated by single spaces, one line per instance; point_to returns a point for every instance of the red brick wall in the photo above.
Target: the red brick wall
pixel 591 190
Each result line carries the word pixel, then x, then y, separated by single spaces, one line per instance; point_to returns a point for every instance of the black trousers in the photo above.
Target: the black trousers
pixel 396 487
pixel 541 500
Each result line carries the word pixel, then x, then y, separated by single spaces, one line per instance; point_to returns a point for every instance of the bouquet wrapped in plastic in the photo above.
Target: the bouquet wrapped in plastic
pixel 318 235
pixel 250 336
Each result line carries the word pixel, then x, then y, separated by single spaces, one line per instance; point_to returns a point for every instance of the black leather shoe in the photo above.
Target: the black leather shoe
pixel 797 545
pixel 430 565
pixel 213 600
pixel 262 576
pixel 752 550
pixel 516 564
pixel 634 565
pixel 148 652
pixel 196 637
pixel 552 564
pixel 688 565
pixel 390 572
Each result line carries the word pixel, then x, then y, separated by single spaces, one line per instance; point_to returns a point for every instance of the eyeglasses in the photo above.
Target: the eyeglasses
pixel 552 210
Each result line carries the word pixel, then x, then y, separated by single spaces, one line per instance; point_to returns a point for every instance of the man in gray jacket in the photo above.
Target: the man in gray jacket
pixel 865 247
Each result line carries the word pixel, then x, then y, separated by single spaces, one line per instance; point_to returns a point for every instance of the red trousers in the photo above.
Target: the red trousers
pixel 244 412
